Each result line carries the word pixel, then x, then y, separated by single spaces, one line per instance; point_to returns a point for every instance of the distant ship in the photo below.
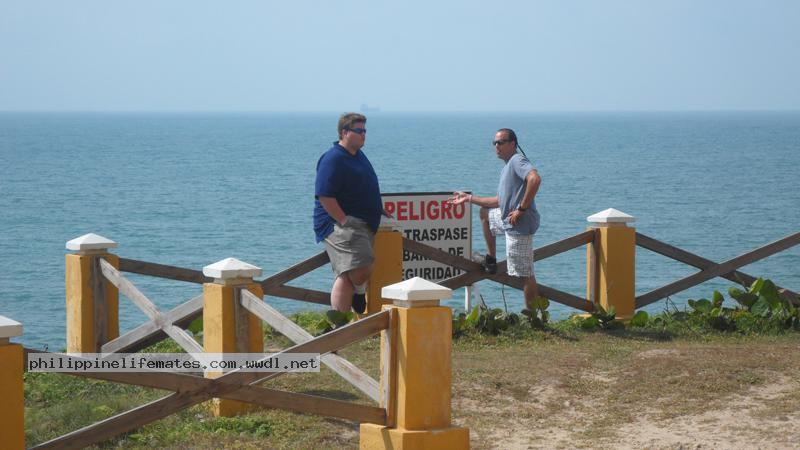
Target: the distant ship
pixel 366 108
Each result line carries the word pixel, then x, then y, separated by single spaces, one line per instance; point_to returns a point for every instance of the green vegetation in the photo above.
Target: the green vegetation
pixel 760 310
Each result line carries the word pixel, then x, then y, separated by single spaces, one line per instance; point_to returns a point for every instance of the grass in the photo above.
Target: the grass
pixel 557 388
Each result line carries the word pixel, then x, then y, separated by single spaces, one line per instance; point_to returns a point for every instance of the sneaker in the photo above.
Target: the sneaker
pixel 359 303
pixel 490 265
pixel 488 262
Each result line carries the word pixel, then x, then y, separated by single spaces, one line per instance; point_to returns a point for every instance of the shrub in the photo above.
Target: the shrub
pixel 484 320
pixel 760 310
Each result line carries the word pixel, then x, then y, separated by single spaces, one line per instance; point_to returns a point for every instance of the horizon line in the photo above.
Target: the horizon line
pixel 383 111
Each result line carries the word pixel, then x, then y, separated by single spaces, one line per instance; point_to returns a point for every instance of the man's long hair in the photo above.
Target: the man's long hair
pixel 512 136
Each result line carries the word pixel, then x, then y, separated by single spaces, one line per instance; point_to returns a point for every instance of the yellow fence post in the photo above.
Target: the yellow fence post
pixel 417 371
pixel 388 267
pixel 92 301
pixel 611 262
pixel 12 420
pixel 227 326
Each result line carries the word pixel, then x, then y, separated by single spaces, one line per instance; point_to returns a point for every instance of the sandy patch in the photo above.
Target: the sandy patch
pixel 745 423
pixel 658 353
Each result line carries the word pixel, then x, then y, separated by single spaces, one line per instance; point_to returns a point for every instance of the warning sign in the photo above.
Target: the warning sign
pixel 426 217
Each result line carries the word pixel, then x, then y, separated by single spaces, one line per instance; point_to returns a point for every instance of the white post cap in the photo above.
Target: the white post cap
pixel 611 215
pixel 390 224
pixel 90 241
pixel 231 268
pixel 9 328
pixel 416 292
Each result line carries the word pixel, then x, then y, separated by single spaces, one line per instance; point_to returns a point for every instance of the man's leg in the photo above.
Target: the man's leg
pixel 344 286
pixel 519 254
pixel 531 290
pixel 491 239
pixel 342 293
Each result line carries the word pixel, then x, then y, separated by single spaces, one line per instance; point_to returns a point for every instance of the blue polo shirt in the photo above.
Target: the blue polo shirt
pixel 352 181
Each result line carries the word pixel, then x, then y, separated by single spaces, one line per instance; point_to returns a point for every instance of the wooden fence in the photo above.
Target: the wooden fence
pixel 188 389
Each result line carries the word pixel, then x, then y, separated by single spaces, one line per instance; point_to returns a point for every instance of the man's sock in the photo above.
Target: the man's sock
pixel 360 298
pixel 361 288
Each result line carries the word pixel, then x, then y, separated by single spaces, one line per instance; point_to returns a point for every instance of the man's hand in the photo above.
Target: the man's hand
pixel 459 198
pixel 331 206
pixel 514 216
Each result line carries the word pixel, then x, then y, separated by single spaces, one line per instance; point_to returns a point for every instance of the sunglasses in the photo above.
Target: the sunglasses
pixel 358 130
pixel 500 142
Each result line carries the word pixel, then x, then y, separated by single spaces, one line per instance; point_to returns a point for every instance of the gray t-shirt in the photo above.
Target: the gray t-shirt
pixel 510 192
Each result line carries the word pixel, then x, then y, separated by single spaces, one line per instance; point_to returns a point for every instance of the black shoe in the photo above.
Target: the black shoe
pixel 360 303
pixel 490 264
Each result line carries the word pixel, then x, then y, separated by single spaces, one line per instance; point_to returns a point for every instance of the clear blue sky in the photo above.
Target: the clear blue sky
pixel 402 55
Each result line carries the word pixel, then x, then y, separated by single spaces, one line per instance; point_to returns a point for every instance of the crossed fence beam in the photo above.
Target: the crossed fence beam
pixel 235 385
pixel 710 269
pixel 190 390
pixel 157 319
pixel 474 271
pixel 181 316
pixel 252 303
pixel 298 335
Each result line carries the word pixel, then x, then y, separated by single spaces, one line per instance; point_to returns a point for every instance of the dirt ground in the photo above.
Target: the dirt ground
pixel 611 392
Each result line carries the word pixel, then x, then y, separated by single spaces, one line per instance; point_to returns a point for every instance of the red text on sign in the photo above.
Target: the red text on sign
pixel 424 210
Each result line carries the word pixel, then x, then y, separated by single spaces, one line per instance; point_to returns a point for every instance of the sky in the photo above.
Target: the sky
pixel 560 55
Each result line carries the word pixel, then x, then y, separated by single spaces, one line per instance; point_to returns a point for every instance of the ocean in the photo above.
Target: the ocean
pixel 189 189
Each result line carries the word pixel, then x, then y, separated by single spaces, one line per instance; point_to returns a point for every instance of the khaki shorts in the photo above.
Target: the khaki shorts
pixel 349 246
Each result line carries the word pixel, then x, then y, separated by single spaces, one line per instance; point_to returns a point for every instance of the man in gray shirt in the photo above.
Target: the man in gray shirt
pixel 511 212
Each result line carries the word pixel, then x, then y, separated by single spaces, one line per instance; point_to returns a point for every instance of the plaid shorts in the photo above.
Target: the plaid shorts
pixel 519 247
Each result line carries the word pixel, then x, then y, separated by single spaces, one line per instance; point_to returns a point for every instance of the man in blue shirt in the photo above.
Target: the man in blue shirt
pixel 512 212
pixel 347 212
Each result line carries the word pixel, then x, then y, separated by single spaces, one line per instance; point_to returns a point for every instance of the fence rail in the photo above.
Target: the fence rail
pixel 475 273
pixel 710 269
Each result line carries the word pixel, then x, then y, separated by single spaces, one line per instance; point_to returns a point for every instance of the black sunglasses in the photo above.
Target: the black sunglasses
pixel 358 130
pixel 501 142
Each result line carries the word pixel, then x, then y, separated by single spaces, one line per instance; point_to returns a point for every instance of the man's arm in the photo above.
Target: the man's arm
pixel 331 206
pixel 532 180
pixel 461 197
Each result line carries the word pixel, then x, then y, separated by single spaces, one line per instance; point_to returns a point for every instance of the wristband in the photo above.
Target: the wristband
pixel 520 208
pixel 469 199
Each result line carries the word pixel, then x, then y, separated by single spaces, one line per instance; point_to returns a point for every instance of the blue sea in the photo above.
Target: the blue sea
pixel 189 189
